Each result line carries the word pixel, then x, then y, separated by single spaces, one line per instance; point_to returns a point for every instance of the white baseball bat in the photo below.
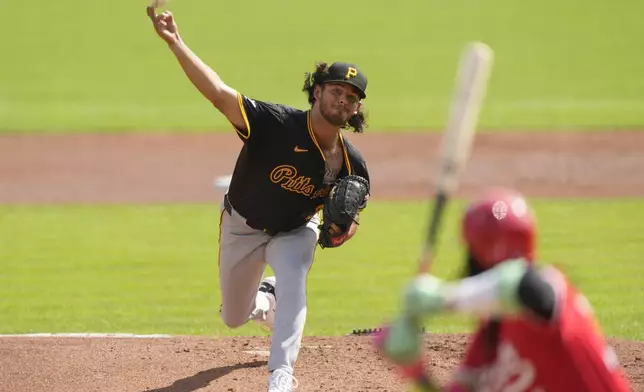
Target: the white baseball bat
pixel 474 71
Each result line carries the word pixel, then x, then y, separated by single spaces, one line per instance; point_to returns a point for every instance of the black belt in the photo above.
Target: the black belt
pixel 229 209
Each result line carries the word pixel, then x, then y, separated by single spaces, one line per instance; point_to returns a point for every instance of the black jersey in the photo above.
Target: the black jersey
pixel 278 181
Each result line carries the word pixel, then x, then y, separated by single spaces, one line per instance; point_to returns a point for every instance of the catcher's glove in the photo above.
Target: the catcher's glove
pixel 341 208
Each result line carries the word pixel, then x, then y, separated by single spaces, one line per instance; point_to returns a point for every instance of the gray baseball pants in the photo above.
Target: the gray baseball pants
pixel 243 255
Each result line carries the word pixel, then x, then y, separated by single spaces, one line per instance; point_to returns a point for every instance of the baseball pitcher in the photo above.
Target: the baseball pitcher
pixel 537 332
pixel 294 165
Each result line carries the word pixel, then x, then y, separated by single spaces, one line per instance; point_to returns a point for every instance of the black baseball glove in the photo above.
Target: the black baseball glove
pixel 341 208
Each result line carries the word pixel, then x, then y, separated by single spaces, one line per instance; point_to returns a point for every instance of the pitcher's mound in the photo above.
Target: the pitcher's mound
pixel 182 364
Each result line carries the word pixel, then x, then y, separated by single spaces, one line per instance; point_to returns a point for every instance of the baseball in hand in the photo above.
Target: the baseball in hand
pixel 158 3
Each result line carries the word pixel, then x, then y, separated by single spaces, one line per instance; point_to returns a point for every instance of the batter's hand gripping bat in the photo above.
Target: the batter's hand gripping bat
pixel 471 87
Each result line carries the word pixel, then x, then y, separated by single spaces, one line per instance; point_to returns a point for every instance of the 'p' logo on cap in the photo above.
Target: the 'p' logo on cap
pixel 351 73
pixel 341 72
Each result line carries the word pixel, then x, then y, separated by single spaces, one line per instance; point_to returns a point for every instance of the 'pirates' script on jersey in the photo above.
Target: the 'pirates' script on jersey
pixel 287 176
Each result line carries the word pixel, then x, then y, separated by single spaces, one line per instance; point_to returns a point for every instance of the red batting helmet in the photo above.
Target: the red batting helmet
pixel 499 226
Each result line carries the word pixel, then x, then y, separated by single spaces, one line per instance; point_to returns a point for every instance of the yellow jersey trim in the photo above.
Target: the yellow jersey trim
pixel 344 146
pixel 243 112
pixel 310 126
pixel 346 155
pixel 221 222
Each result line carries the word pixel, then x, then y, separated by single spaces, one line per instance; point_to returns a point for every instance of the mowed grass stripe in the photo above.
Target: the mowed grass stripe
pixel 153 269
pixel 549 73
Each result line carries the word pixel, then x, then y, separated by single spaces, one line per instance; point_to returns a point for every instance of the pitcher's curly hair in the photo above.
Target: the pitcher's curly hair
pixel 318 77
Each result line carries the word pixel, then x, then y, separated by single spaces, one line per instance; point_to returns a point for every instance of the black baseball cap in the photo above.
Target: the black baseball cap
pixel 348 73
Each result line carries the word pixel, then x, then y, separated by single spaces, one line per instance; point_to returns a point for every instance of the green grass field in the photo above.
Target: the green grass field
pixel 152 269
pixel 82 66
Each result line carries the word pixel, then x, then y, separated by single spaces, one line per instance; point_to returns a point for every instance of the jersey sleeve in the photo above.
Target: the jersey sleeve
pixel 259 117
pixel 560 300
pixel 361 170
pixel 536 294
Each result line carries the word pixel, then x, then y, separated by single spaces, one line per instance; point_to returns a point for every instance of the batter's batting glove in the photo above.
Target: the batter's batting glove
pixel 400 341
pixel 426 295
pixel 401 344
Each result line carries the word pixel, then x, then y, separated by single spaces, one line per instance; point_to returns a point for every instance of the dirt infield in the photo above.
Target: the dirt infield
pixel 339 364
pixel 181 168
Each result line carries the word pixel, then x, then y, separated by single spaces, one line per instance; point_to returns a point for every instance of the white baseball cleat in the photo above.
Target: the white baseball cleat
pixel 264 312
pixel 281 381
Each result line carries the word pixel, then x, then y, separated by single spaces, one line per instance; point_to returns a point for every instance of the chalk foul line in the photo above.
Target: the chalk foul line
pixel 87 335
